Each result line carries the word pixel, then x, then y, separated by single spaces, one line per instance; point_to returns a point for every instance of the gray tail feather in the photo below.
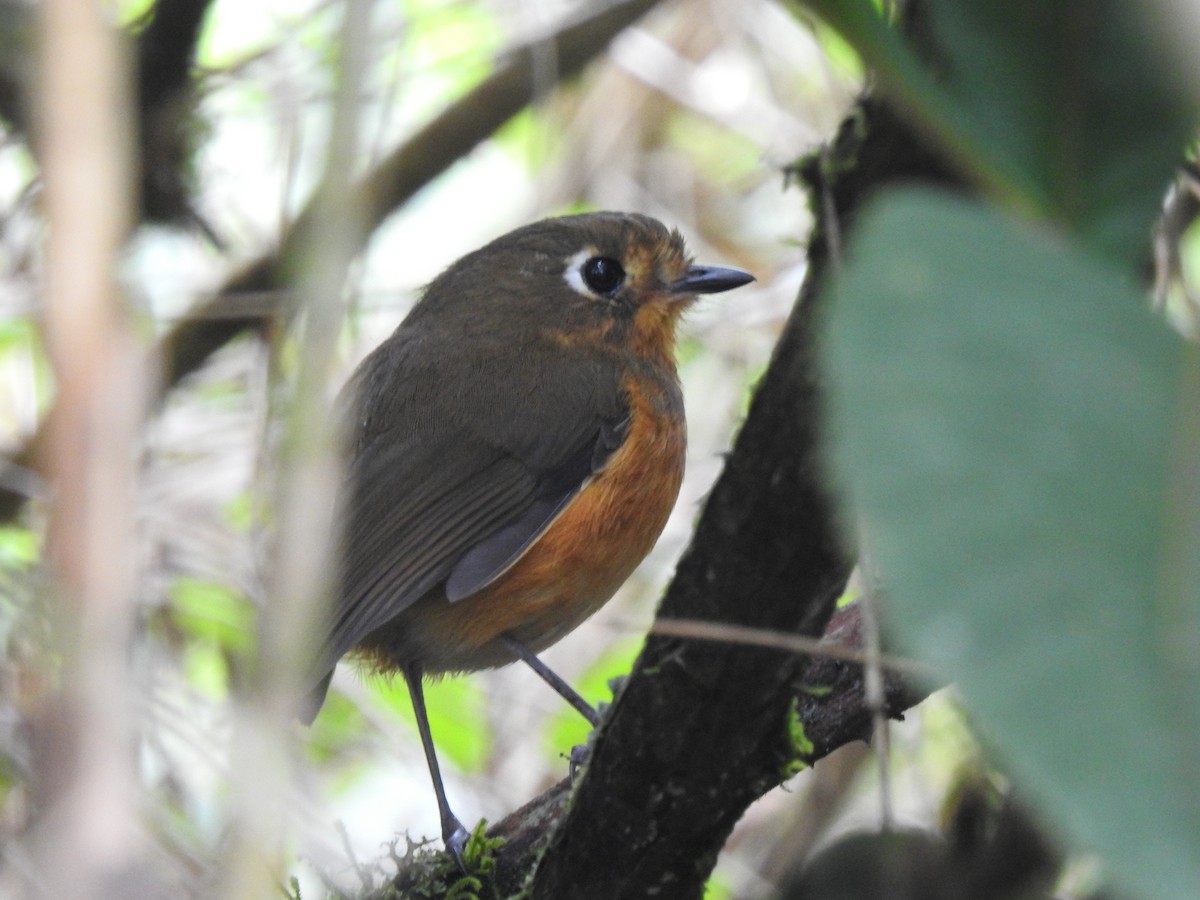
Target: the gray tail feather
pixel 312 702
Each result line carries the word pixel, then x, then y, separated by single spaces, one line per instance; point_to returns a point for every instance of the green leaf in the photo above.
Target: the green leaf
pixel 1029 101
pixel 717 888
pixel 206 668
pixel 907 79
pixel 20 548
pixel 1002 417
pixel 1036 82
pixel 216 612
pixel 17 332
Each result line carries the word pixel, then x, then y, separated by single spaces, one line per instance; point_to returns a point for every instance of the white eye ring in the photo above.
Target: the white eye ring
pixel 599 277
pixel 573 274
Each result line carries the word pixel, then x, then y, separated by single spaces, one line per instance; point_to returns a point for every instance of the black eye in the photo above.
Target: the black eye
pixel 603 275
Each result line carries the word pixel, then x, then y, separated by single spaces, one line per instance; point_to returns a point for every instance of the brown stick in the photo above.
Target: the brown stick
pixel 83 780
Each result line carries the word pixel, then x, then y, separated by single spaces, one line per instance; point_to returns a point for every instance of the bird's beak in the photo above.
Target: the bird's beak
pixel 710 280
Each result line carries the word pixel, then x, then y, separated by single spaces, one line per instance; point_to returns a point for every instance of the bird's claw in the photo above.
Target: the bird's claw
pixel 455 839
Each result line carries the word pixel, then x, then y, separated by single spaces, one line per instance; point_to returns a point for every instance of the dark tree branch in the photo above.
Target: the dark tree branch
pixel 167 50
pixel 166 53
pixel 701 729
pixel 17 27
pixel 833 706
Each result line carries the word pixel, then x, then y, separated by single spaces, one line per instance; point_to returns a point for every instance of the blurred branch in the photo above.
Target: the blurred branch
pixel 87 832
pixel 308 471
pixel 16 61
pixel 1180 212
pixel 254 300
pixel 166 50
pixel 166 55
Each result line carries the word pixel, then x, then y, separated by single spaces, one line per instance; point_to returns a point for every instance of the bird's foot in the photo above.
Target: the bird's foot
pixel 455 837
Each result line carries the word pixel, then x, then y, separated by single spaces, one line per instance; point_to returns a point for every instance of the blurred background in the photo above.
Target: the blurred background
pixel 692 115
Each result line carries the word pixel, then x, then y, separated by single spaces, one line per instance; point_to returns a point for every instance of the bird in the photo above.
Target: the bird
pixel 513 449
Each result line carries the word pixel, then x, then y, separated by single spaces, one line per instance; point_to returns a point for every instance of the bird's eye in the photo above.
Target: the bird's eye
pixel 602 274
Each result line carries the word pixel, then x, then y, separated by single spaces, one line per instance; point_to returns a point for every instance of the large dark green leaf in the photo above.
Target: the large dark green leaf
pixel 1003 413
pixel 1067 110
pixel 1079 96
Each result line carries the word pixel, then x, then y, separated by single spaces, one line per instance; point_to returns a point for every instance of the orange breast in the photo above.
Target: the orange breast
pixel 577 564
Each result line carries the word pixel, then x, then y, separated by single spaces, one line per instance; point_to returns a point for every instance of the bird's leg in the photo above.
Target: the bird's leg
pixel 454 835
pixel 565 691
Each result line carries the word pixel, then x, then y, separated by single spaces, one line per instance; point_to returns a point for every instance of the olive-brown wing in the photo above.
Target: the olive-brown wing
pixel 447 509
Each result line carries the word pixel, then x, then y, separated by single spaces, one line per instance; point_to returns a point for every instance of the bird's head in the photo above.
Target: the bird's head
pixel 605 278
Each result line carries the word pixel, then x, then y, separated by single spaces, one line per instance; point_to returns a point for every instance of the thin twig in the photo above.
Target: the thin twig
pixel 875 697
pixel 303 493
pixel 783 640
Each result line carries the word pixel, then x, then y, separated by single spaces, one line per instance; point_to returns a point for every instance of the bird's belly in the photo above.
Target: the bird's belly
pixel 572 570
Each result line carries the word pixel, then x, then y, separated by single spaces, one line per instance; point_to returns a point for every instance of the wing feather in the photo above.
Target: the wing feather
pixel 404 533
pixel 464 492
